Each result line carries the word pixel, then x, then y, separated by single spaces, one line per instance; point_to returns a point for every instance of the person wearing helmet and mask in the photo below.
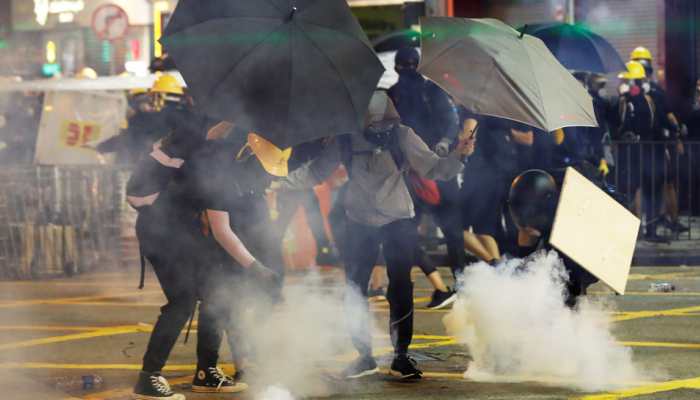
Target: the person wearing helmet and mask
pixel 670 130
pixel 154 114
pixel 199 250
pixel 532 202
pixel 638 120
pixel 379 213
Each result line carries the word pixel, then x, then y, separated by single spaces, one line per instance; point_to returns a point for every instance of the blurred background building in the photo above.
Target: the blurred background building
pixel 46 37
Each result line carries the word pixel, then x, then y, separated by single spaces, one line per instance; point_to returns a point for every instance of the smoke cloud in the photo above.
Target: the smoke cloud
pixel 517 328
pixel 301 345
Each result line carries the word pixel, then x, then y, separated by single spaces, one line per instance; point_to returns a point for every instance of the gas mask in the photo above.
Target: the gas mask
pixel 646 86
pixel 379 133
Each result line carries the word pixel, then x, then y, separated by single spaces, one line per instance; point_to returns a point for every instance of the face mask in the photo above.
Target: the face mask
pixel 408 72
pixel 378 133
pixel 646 87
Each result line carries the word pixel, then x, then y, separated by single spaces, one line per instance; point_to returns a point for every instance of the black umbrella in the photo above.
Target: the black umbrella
pixel 577 48
pixel 290 70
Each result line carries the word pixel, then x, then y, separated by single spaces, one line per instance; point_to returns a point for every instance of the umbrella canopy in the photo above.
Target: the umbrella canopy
pixel 577 48
pixel 291 70
pixel 493 70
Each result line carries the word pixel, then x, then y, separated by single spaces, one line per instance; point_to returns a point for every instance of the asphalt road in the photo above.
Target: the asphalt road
pixel 100 323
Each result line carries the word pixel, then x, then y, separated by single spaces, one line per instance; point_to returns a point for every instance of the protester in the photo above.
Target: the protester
pixel 432 115
pixel 379 209
pixel 638 122
pixel 501 153
pixel 668 128
pixel 532 201
pixel 288 203
pixel 170 238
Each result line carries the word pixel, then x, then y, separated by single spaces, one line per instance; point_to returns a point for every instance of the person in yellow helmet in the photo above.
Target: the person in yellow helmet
pixel 671 129
pixel 639 157
pixel 201 225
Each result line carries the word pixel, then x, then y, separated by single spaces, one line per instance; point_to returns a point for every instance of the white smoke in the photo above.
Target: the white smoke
pixel 517 328
pixel 301 345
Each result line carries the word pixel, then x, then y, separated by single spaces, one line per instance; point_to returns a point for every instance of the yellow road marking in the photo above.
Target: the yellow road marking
pixel 693 383
pixel 32 302
pixel 662 344
pixel 76 336
pixel 676 312
pixel 49 328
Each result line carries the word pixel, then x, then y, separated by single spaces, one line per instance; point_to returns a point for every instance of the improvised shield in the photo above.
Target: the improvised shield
pixel 595 231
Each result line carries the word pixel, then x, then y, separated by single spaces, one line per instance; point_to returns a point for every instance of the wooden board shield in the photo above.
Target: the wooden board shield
pixel 595 231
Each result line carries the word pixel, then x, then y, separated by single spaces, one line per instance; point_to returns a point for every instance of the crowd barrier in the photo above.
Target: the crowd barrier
pixel 669 171
pixel 58 221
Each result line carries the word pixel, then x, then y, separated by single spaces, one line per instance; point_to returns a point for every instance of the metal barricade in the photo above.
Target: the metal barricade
pixel 59 220
pixel 659 174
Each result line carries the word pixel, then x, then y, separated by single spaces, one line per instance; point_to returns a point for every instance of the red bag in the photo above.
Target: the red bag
pixel 425 189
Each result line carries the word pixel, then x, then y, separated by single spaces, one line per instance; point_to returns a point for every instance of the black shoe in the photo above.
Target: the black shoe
pixel 362 366
pixel 441 299
pixel 405 367
pixel 378 294
pixel 152 386
pixel 676 226
pixel 213 380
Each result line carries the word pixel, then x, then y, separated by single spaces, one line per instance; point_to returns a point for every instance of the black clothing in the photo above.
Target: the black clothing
pixel 361 251
pixel 430 112
pixel 425 108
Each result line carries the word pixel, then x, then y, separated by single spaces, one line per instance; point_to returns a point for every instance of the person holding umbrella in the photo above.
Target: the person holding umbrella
pixel 379 210
pixel 429 111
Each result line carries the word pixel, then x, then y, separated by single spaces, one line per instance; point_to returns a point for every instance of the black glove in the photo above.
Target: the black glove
pixel 260 272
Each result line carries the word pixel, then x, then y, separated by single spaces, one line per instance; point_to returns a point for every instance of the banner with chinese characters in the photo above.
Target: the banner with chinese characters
pixel 74 123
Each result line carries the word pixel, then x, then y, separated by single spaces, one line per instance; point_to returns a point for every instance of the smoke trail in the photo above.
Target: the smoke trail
pixel 514 322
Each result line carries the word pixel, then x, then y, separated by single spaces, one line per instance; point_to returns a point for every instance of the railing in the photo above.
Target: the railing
pixel 59 220
pixel 668 175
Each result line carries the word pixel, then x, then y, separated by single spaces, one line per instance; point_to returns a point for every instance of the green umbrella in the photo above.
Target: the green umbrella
pixel 492 69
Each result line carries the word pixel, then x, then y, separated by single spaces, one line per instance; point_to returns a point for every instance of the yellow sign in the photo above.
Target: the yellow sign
pixel 79 133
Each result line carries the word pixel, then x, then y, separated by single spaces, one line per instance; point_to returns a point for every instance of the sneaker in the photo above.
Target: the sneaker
pixel 377 294
pixel 152 386
pixel 441 299
pixel 362 366
pixel 213 380
pixel 405 367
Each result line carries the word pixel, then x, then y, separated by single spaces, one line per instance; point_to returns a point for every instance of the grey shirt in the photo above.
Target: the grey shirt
pixel 377 193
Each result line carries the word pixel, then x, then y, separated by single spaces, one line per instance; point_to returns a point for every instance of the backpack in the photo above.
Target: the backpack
pixel 423 188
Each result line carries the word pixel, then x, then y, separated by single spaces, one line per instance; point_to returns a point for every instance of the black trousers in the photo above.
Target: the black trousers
pixel 362 248
pixel 448 216
pixel 177 253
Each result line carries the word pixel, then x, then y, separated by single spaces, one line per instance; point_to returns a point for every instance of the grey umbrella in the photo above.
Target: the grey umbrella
pixel 492 69
pixel 290 70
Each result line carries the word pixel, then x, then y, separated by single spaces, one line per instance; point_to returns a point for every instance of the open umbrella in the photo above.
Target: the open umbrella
pixel 577 48
pixel 492 69
pixel 291 70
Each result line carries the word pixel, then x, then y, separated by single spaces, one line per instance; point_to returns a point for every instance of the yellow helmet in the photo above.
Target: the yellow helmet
pixel 635 70
pixel 640 53
pixel 273 159
pixel 167 84
pixel 86 73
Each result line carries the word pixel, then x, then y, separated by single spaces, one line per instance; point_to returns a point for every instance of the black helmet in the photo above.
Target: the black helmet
pixel 407 56
pixel 532 200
